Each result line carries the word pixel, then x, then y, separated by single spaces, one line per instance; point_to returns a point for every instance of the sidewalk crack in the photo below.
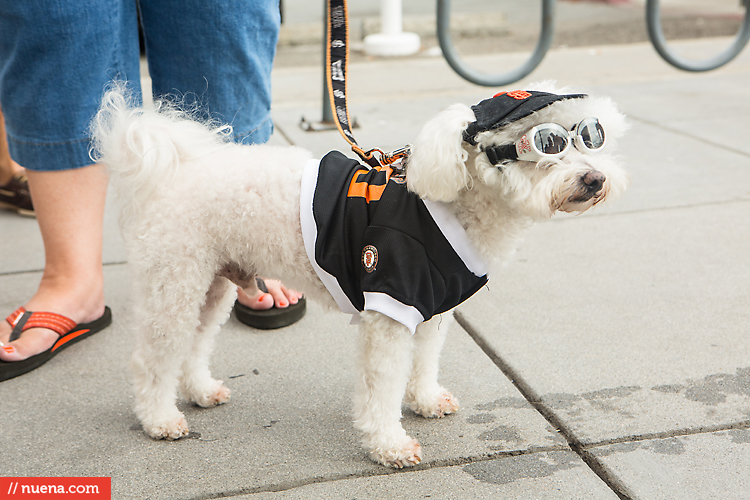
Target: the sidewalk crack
pixel 549 415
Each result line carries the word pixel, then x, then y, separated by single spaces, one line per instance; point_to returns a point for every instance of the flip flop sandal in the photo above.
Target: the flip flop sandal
pixel 270 319
pixel 16 196
pixel 66 328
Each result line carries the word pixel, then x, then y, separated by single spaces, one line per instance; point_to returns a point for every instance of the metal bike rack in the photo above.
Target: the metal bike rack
pixel 474 76
pixel 653 23
pixel 326 122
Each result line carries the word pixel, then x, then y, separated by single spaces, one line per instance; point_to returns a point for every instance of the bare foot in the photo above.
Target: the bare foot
pixel 10 169
pixel 277 295
pixel 81 307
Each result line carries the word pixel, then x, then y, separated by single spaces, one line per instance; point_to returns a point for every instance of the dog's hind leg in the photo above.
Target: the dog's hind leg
pixel 167 317
pixel 385 359
pixel 197 384
pixel 425 396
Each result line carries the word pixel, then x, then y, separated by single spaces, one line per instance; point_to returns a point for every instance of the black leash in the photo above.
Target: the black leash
pixel 337 59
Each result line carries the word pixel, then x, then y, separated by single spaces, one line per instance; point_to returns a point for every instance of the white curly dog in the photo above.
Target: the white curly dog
pixel 200 215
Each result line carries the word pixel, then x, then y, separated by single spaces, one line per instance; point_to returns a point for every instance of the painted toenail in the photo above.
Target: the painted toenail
pixel 9 349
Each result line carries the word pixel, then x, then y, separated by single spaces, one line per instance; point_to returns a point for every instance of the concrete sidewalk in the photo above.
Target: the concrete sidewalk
pixel 608 360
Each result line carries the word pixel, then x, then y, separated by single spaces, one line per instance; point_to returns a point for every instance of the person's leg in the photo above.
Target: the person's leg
pixel 8 167
pixel 70 208
pixel 76 47
pixel 14 187
pixel 218 56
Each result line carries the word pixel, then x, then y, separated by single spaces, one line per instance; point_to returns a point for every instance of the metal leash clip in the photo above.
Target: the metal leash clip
pixel 399 155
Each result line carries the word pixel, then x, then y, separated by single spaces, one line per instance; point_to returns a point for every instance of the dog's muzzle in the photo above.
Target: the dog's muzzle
pixel 589 186
pixel 594 181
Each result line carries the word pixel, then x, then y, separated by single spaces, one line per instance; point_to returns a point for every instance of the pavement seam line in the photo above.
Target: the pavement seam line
pixel 690 136
pixel 560 220
pixel 32 271
pixel 437 464
pixel 596 466
pixel 278 128
pixel 689 431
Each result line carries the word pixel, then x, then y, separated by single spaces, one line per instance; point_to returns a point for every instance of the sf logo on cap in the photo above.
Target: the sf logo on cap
pixel 518 95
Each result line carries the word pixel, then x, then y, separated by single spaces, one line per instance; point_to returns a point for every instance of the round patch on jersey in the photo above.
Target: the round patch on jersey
pixel 370 258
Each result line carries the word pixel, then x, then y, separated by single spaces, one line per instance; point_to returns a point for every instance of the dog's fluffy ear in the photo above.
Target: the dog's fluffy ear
pixel 437 169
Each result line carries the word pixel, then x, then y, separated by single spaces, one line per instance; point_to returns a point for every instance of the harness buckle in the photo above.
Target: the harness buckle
pixel 385 159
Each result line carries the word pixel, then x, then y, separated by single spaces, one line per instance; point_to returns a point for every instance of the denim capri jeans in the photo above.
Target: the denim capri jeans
pixel 57 57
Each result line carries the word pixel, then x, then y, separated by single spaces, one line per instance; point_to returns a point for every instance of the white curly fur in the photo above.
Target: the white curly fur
pixel 200 215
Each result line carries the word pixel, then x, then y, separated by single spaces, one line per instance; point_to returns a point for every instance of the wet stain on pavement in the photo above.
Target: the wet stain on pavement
pixel 502 437
pixel 668 446
pixel 672 445
pixel 509 469
pixel 562 401
pixel 669 389
pixel 710 391
pixel 713 389
pixel 502 433
pixel 617 392
pixel 740 436
pixel 506 402
pixel 480 418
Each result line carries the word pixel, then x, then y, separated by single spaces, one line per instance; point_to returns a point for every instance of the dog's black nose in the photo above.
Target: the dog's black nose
pixel 594 180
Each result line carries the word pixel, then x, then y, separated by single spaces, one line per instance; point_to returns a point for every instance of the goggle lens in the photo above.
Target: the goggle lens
pixel 592 133
pixel 551 140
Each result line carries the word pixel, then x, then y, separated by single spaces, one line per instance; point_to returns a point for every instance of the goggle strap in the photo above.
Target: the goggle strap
pixel 497 154
pixel 469 134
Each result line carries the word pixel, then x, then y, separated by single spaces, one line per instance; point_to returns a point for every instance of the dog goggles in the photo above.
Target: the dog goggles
pixel 550 140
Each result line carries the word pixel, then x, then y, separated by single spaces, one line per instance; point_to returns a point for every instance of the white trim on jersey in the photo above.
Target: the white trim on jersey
pixel 456 236
pixel 310 234
pixel 383 303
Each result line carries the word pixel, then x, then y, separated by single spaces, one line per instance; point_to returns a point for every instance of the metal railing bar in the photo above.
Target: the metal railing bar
pixel 655 33
pixel 494 80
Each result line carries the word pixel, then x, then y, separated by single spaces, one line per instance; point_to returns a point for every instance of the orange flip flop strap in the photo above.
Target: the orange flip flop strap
pixel 52 321
pixel 13 318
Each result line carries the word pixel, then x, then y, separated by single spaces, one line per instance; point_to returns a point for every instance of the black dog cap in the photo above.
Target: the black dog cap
pixel 507 107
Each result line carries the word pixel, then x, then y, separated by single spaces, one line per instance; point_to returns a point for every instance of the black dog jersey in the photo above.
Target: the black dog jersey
pixel 376 246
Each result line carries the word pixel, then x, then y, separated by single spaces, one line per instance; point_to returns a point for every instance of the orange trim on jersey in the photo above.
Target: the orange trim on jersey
pixel 357 189
pixel 368 191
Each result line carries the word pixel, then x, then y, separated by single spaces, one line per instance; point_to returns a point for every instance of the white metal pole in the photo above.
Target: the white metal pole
pixel 391 20
pixel 392 41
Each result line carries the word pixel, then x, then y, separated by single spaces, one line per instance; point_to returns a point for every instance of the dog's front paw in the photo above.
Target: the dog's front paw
pixel 214 394
pixel 170 429
pixel 441 404
pixel 408 454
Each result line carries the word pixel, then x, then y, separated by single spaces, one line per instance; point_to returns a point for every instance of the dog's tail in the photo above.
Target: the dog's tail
pixel 142 147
